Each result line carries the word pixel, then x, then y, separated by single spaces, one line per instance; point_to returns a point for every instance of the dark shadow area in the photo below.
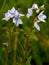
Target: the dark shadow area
pixel 45 63
pixel 33 62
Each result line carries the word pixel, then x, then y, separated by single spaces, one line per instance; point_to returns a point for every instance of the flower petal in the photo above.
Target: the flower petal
pixel 34 6
pixel 19 22
pixel 14 20
pixel 30 12
pixel 42 6
pixel 21 15
pixel 36 26
pixel 8 15
pixel 16 13
pixel 6 19
pixel 41 16
pixel 12 10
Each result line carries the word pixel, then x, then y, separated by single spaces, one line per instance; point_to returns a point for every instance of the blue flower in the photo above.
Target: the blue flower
pixel 41 16
pixel 13 13
pixel 30 12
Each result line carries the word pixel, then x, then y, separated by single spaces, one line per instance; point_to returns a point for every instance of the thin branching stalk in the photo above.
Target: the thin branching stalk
pixel 15 48
pixel 28 36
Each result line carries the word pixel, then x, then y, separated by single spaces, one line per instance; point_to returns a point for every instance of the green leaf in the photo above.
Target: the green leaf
pixel 28 61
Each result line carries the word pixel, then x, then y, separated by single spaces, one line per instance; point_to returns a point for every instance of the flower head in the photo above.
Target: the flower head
pixel 30 12
pixel 34 6
pixel 17 20
pixel 42 17
pixel 13 13
pixel 9 14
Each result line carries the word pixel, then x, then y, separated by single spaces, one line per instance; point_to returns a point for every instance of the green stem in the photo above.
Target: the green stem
pixel 6 58
pixel 28 36
pixel 15 48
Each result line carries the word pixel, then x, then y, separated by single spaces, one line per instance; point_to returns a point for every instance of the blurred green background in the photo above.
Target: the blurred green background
pixel 38 48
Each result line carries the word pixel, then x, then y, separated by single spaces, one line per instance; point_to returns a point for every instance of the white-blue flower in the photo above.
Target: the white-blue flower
pixel 30 12
pixel 36 25
pixel 41 16
pixel 34 6
pixel 9 14
pixel 16 18
pixel 13 13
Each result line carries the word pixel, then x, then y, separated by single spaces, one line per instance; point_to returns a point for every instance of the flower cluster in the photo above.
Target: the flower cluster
pixel 40 17
pixel 13 13
pixel 30 10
